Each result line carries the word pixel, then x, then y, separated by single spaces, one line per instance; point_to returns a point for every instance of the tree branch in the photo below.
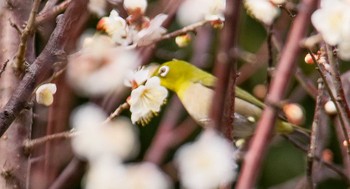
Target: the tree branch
pixel 63 37
pixel 119 110
pixel 225 69
pixel 321 65
pixel 284 71
pixel 28 30
pixel 314 134
pixel 49 14
pixel 29 144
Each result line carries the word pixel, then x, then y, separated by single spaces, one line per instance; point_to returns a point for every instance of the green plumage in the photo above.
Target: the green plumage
pixel 195 90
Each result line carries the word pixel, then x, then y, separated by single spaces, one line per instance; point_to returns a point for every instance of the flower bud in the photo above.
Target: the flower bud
pixel 308 59
pixel 294 113
pixel 330 108
pixel 44 94
pixel 216 21
pixel 183 40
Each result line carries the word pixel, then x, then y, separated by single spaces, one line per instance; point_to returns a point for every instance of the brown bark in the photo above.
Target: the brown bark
pixel 13 160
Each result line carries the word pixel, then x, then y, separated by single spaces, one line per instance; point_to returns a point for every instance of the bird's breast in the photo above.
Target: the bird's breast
pixel 197 99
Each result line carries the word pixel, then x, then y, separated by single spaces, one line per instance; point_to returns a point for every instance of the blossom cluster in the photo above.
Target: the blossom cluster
pixel 332 20
pixel 100 67
pixel 207 163
pixel 107 146
pixel 103 61
pixel 147 95
pixel 265 11
pixel 136 30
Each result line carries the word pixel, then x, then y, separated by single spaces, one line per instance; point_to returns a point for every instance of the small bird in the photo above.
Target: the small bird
pixel 194 87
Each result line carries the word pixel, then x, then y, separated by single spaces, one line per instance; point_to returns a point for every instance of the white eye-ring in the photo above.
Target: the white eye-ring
pixel 163 71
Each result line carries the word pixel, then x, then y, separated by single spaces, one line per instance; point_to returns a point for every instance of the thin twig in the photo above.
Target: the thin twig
pixel 69 134
pixel 49 14
pixel 184 30
pixel 29 144
pixel 323 72
pixel 339 92
pixel 265 127
pixel 331 166
pixel 312 150
pixel 119 110
pixel 19 63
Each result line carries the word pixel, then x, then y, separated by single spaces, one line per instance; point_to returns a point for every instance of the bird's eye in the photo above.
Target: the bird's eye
pixel 163 71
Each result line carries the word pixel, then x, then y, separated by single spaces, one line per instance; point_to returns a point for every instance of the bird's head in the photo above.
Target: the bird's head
pixel 174 74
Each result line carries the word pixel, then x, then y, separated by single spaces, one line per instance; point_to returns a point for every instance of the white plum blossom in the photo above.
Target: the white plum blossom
pixel 97 6
pixel 146 176
pixel 192 11
pixel 146 100
pixel 136 78
pixel 107 173
pixel 135 5
pixel 44 94
pixel 95 140
pixel 207 163
pixel 263 10
pixel 332 20
pixel 116 27
pixel 129 35
pixel 151 33
pixel 100 68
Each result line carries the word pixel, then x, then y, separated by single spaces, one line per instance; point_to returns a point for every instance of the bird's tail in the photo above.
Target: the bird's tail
pixel 299 137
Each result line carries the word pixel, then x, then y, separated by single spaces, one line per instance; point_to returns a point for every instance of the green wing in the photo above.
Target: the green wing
pixel 244 95
pixel 205 78
pixel 208 80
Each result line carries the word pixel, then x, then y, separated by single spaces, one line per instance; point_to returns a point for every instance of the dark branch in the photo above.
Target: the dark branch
pixel 49 14
pixel 61 40
pixel 284 71
pixel 225 69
